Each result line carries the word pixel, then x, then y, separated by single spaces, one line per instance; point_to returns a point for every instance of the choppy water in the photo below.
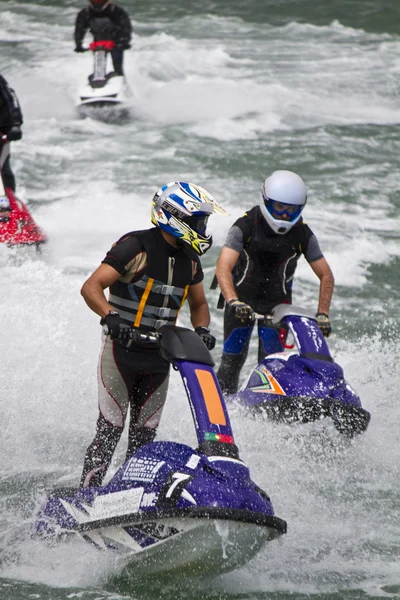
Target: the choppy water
pixel 225 92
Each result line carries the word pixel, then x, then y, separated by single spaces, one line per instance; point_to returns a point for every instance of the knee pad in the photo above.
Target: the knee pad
pixel 238 340
pixel 269 342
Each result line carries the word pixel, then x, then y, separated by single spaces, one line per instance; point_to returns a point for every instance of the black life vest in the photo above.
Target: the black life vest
pixel 156 296
pixel 264 272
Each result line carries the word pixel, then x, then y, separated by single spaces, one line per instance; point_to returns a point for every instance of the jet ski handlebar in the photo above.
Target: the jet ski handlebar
pixel 281 312
pixel 152 337
pixel 101 45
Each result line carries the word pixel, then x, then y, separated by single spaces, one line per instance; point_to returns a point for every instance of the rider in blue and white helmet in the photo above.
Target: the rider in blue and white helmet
pixel 149 274
pixel 182 210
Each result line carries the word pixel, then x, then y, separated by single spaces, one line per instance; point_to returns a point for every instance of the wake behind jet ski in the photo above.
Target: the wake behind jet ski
pixel 17 227
pixel 306 384
pixel 104 89
pixel 170 506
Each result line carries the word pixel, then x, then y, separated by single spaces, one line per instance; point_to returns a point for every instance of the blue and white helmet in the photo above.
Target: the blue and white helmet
pixel 283 193
pixel 182 210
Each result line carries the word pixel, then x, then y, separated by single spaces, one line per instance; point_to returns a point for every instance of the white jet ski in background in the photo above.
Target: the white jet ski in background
pixel 104 89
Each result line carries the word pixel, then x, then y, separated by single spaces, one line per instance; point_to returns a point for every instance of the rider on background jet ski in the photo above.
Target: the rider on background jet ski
pixel 150 274
pixel 256 267
pixel 106 21
pixel 10 129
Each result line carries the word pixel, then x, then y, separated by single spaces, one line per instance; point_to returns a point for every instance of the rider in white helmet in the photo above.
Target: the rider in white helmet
pixel 256 267
pixel 283 197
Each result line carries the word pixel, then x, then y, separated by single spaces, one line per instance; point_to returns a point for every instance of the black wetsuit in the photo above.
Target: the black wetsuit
pixel 154 283
pixel 263 278
pixel 10 116
pixel 112 23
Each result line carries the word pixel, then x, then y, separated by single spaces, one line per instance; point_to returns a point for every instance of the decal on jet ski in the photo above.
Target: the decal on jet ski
pixel 218 437
pixel 174 488
pixel 107 505
pixel 178 478
pixel 148 499
pixel 142 469
pixel 269 383
pixel 193 461
pixel 211 396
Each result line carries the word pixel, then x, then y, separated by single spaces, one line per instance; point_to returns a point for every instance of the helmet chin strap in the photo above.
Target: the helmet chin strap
pixel 189 250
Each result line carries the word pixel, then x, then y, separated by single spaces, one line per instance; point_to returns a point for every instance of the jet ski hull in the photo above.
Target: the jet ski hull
pixel 170 506
pixel 17 227
pixel 304 385
pixel 195 545
pixel 115 91
pixel 347 418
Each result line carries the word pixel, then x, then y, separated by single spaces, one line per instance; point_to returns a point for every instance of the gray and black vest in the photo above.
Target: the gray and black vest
pixel 156 296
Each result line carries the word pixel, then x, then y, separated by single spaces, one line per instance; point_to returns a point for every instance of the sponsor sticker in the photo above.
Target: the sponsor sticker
pixel 193 461
pixel 117 504
pixel 106 506
pixel 142 469
pixel 149 499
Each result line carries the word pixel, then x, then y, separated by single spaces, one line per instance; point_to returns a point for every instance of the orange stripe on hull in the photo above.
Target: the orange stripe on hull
pixel 211 396
pixel 275 385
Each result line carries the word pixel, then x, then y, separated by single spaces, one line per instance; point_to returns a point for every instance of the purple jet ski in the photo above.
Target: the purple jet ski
pixel 306 384
pixel 171 506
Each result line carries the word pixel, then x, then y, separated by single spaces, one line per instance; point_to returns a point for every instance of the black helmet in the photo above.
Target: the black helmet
pixel 99 5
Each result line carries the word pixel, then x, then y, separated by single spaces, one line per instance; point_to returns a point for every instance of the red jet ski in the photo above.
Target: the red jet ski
pixel 17 226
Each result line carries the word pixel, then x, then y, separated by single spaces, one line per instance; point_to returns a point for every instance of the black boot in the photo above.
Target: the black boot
pixel 99 454
pixel 139 436
pixel 229 372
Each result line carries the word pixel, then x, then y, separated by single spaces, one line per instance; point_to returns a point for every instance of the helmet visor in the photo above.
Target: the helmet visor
pixel 197 223
pixel 279 209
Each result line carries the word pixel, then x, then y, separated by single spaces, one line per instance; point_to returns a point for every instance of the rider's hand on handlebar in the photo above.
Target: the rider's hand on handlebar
pixel 119 330
pixel 207 338
pixel 80 48
pixel 122 46
pixel 324 324
pixel 14 134
pixel 242 311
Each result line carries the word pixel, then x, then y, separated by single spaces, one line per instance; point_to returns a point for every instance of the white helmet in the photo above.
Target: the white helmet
pixel 283 193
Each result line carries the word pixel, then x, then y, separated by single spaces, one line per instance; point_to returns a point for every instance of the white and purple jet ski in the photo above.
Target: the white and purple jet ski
pixel 102 88
pixel 304 384
pixel 171 506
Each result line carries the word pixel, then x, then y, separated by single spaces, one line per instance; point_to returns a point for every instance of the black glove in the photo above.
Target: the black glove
pixel 207 338
pixel 14 134
pixel 242 311
pixel 79 48
pixel 122 46
pixel 119 330
pixel 324 324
